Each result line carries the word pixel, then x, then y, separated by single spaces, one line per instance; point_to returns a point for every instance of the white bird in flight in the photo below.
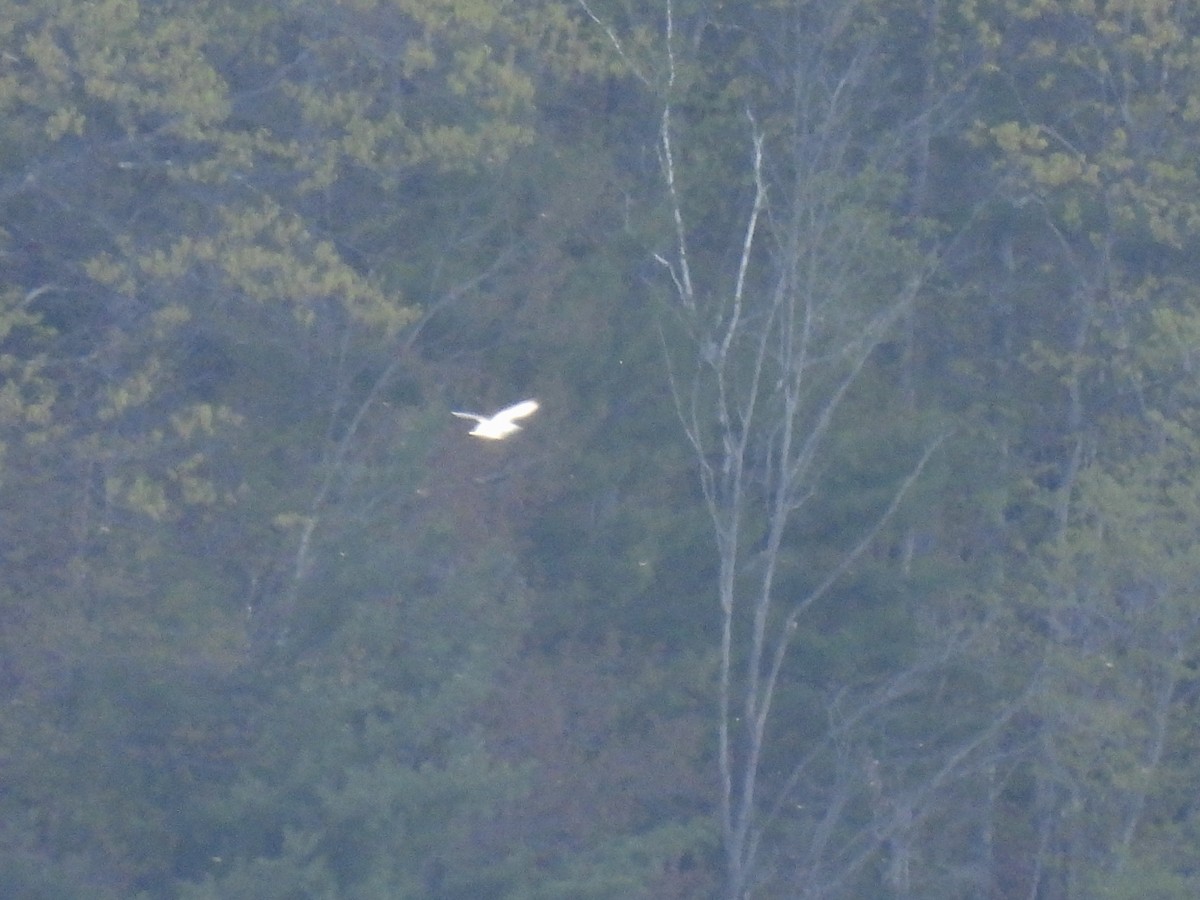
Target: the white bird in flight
pixel 500 425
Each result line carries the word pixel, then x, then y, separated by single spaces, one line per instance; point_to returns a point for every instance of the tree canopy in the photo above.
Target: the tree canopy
pixel 849 552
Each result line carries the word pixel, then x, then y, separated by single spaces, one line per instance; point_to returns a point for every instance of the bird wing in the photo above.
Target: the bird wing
pixel 517 411
pixel 463 415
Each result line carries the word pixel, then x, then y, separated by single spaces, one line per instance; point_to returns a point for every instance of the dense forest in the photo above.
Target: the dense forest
pixel 852 551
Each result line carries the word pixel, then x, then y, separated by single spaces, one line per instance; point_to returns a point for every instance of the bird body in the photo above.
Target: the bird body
pixel 500 425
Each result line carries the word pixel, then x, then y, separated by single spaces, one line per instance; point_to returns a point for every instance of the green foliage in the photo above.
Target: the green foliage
pixel 364 776
pixel 270 626
pixel 607 817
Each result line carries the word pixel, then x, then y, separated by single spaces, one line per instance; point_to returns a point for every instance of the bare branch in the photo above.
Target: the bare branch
pixel 616 42
pixel 680 270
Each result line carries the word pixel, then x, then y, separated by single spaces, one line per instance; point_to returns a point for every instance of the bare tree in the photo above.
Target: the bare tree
pixel 762 359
